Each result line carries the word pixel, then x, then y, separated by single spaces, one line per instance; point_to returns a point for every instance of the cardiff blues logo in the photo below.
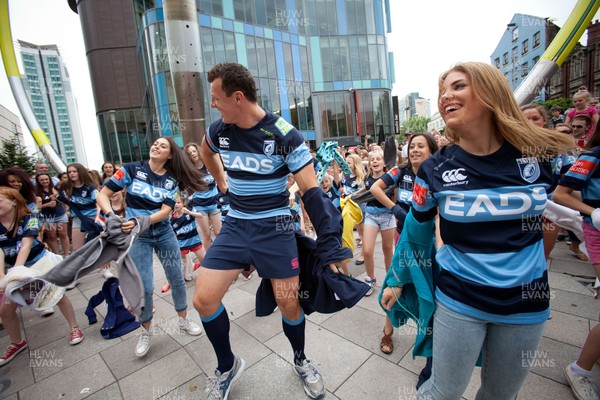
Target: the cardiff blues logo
pixel 269 147
pixel 169 185
pixel 529 169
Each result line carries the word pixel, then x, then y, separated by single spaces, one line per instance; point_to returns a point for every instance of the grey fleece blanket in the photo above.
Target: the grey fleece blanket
pixel 112 244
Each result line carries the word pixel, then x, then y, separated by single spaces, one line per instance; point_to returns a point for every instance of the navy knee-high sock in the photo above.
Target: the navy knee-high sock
pixel 216 327
pixel 294 330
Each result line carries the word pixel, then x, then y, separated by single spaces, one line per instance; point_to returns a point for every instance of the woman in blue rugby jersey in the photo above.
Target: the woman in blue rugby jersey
pixel 19 246
pixel 79 193
pixel 492 294
pixel 420 147
pixel 206 202
pixel 151 188
pixel 584 176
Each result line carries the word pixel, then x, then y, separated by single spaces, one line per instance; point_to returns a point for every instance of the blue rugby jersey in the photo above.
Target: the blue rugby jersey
pixel 146 191
pixel 186 232
pixel 492 262
pixel 258 161
pixel 374 206
pixel 28 226
pixel 405 179
pixel 584 175
pixel 333 194
pixel 350 186
pixel 83 198
pixel 207 199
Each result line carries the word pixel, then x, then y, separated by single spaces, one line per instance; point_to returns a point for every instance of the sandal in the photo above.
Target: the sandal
pixel 359 243
pixel 578 253
pixel 387 345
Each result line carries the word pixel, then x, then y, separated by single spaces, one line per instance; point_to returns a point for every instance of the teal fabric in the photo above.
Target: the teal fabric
pixel 326 154
pixel 415 269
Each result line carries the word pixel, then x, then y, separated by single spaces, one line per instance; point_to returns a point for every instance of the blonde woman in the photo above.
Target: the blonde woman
pixel 492 291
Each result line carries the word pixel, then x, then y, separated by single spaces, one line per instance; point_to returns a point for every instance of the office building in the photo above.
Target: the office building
pixel 323 65
pixel 48 87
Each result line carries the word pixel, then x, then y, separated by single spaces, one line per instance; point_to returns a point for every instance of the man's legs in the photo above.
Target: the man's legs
pixel 286 296
pixel 211 286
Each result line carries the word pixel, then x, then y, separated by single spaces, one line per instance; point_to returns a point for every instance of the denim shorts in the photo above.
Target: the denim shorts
pixel 269 244
pixel 207 210
pixel 63 219
pixel 383 221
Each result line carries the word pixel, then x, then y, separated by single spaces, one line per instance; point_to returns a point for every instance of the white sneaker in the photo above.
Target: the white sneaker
pixel 371 283
pixel 189 278
pixel 582 386
pixel 143 344
pixel 47 311
pixel 106 273
pixel 191 328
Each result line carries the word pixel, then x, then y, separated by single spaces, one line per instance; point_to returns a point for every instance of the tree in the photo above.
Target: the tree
pixel 13 154
pixel 563 103
pixel 416 123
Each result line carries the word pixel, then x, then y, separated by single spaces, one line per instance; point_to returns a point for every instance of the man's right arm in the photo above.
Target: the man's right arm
pixel 214 165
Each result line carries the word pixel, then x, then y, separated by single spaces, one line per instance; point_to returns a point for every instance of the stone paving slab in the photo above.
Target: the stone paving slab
pixel 343 345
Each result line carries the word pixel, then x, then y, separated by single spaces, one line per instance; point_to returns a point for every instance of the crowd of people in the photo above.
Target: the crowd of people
pixel 222 201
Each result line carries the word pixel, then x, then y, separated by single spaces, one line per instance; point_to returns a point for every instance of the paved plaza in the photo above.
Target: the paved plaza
pixel 344 346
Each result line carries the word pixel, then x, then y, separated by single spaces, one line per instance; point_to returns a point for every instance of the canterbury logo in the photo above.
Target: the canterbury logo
pixel 454 175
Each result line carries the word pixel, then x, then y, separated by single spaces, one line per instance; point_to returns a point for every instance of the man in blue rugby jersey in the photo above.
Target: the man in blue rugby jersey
pixel 259 149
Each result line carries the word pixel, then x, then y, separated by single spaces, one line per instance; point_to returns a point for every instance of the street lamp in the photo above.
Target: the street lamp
pixel 114 121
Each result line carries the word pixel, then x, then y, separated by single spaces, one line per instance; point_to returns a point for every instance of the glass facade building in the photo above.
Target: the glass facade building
pixel 47 84
pixel 323 65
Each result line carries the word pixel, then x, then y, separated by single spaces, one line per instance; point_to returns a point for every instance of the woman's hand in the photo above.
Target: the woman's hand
pixel 128 226
pixel 389 295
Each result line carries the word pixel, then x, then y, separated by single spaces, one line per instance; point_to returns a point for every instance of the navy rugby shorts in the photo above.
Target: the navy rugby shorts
pixel 269 244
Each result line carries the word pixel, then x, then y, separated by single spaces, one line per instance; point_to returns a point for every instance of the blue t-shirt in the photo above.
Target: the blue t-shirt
pixel 146 191
pixel 333 194
pixel 83 199
pixel 28 226
pixel 186 232
pixel 374 206
pixel 492 263
pixel 206 199
pixel 258 161
pixel 584 175
pixel 350 185
pixel 404 178
pixel 49 214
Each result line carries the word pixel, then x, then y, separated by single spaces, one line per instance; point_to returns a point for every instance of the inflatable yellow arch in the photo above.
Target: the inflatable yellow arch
pixel 14 78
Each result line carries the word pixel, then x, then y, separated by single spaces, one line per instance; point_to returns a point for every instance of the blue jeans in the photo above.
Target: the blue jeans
pixel 161 238
pixel 509 351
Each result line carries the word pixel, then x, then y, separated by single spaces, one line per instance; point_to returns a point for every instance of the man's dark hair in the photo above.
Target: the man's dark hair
pixel 234 77
pixel 582 117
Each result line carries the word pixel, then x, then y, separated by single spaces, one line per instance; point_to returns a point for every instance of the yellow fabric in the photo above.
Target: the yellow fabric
pixel 352 215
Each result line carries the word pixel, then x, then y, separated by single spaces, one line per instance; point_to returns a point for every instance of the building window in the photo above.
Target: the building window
pixel 525 47
pixel 524 69
pixel 534 61
pixel 497 62
pixel 536 39
pixel 505 59
pixel 515 54
pixel 515 34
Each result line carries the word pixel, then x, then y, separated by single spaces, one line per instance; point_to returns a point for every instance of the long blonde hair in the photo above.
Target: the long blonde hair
pixel 492 91
pixel 359 170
